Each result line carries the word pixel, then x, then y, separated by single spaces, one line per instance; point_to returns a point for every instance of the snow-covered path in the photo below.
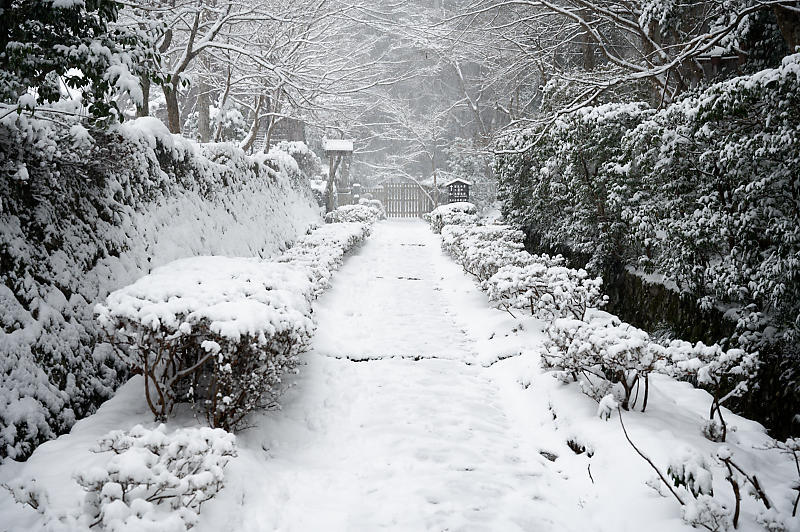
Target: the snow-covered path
pixel 394 423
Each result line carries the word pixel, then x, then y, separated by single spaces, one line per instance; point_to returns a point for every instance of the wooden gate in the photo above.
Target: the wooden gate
pixel 402 200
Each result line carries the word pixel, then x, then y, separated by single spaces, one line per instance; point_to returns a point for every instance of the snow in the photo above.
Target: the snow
pixel 420 407
pixel 458 180
pixel 237 297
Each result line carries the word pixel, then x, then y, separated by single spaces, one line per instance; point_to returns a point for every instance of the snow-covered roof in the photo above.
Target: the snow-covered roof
pixel 458 180
pixel 339 145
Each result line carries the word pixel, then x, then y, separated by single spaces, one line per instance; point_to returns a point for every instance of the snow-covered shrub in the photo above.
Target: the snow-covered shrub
pixel 354 213
pixel 95 211
pixel 707 512
pixel 605 356
pixel 214 331
pixel 544 287
pixel 483 250
pixel 458 213
pixel 220 332
pixel 725 374
pixel 520 287
pixel 375 204
pixel 691 471
pixel 156 480
pixel 308 162
pixel 322 251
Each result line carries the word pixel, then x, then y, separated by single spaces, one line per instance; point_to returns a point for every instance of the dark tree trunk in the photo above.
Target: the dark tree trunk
pixel 203 114
pixel 143 109
pixel 173 111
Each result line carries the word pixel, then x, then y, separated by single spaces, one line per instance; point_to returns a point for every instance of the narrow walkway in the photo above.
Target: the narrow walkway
pixel 393 424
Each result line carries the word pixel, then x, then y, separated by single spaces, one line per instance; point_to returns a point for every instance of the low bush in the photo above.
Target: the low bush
pixel 483 249
pixel 513 278
pixel 375 204
pixel 725 374
pixel 154 481
pixel 220 332
pixel 546 288
pixel 322 251
pixel 605 355
pixel 354 213
pixel 214 331
pixel 459 213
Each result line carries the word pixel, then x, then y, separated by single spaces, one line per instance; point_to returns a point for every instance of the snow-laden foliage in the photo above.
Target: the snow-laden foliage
pixel 724 374
pixel 322 251
pixel 84 213
pixel 559 189
pixel 599 351
pixel 354 213
pixel 458 213
pixel 604 355
pixel 51 48
pixel 308 162
pixel 483 249
pixel 704 191
pixel 375 204
pixel 213 331
pixel 515 279
pixel 690 470
pixel 546 288
pixel 220 332
pixel 154 481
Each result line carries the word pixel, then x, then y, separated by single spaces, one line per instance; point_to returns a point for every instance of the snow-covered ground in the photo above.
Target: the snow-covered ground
pixel 421 408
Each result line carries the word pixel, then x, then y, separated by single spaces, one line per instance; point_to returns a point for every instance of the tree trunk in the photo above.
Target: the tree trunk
pixel 143 109
pixel 435 186
pixel 222 103
pixel 203 113
pixel 588 53
pixel 789 24
pixel 173 112
pixel 248 142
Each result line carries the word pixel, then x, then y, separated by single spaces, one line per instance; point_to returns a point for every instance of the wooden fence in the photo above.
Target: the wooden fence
pixel 402 200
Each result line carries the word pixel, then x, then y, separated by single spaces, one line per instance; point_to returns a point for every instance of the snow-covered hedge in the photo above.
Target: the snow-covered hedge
pixel 322 251
pixel 604 355
pixel 84 213
pixel 375 204
pixel 704 191
pixel 220 332
pixel 515 279
pixel 354 213
pixel 213 331
pixel 458 213
pixel 483 249
pixel 725 374
pixel 607 356
pixel 545 288
pixel 155 480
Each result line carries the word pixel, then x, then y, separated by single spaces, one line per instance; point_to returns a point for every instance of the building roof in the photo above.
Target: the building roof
pixel 339 145
pixel 458 180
